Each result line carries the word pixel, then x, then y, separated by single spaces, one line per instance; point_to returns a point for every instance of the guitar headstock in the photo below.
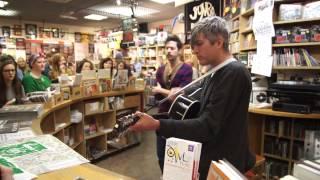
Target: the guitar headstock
pixel 122 125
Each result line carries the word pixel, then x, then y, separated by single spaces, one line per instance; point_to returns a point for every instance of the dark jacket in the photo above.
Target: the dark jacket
pixel 221 126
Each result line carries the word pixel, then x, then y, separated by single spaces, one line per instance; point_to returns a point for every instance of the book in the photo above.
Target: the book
pixel 224 170
pixel 24 112
pixel 306 170
pixel 181 159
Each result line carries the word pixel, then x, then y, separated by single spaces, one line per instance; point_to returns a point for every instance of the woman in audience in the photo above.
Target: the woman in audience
pixel 35 81
pixel 84 65
pixel 59 67
pixel 107 63
pixel 22 65
pixel 11 91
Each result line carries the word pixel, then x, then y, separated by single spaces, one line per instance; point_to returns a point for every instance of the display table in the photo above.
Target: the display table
pixel 85 171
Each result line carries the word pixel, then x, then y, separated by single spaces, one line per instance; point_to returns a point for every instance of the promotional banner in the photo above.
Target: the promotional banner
pixel 197 10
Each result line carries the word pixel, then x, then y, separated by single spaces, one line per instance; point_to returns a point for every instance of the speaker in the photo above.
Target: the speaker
pixel 143 28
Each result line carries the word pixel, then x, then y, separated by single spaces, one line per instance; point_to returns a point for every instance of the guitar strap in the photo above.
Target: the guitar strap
pixel 170 73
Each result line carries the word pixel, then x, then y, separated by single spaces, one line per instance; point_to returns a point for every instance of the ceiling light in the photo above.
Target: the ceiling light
pixel 8 12
pixel 3 4
pixel 126 11
pixel 95 17
pixel 118 2
pixel 163 1
pixel 68 17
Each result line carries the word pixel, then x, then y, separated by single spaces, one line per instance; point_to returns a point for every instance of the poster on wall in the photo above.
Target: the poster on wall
pixel 81 51
pixel 197 10
pixel 6 31
pixel 55 32
pixel 31 30
pixel 20 44
pixel 17 30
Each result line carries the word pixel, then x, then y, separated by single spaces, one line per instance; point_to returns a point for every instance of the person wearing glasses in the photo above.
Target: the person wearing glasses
pixel 11 91
pixel 35 80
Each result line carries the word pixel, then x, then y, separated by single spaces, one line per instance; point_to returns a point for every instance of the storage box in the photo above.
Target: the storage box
pixel 132 100
pixel 50 103
pixel 58 98
pixel 93 107
pixel 76 92
pixel 66 93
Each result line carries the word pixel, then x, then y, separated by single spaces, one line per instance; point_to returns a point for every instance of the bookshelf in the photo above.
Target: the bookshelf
pixel 150 56
pixel 89 137
pixel 279 136
pixel 248 44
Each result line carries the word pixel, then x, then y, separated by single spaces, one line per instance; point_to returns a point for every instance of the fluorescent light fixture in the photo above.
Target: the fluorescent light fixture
pixel 95 17
pixel 3 3
pixel 163 1
pixel 118 2
pixel 126 11
pixel 68 17
pixel 8 12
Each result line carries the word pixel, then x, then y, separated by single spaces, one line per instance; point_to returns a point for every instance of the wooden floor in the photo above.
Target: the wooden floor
pixel 139 162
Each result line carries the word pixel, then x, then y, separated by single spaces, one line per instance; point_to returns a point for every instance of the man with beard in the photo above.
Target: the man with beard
pixel 174 74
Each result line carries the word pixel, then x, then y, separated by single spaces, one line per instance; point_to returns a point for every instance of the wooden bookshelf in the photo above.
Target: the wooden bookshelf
pixel 296 68
pixel 249 12
pixel 298 21
pixel 297 44
pixel 270 112
pixel 234 30
pixel 276 157
pixel 246 31
pixel 49 121
pixel 248 49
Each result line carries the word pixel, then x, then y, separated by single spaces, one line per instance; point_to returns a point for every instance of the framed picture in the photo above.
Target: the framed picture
pixel 77 37
pixel 55 32
pixel 6 31
pixel 31 30
pixel 17 30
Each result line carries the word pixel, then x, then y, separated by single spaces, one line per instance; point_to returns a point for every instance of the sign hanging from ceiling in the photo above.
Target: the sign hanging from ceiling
pixel 197 10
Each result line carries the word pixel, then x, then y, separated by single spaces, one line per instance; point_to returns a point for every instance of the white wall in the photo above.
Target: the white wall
pixel 178 28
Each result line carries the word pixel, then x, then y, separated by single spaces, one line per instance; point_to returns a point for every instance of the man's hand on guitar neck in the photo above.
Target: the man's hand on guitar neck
pixel 146 122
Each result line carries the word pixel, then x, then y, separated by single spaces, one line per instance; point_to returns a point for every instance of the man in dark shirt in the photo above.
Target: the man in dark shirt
pixel 221 124
pixel 174 74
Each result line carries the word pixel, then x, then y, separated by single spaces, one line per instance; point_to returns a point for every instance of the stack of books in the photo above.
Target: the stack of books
pixel 307 169
pixel 181 159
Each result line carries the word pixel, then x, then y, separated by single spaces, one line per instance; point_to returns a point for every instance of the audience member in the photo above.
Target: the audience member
pixel 11 91
pixel 84 65
pixel 35 80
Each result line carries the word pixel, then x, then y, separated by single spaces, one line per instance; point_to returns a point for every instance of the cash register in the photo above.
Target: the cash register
pixel 295 96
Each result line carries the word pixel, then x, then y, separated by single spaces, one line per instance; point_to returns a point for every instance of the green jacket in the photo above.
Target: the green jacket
pixel 32 84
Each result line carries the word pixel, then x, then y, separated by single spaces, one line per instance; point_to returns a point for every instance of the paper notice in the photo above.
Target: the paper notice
pixel 262 22
pixel 264 47
pixel 262 65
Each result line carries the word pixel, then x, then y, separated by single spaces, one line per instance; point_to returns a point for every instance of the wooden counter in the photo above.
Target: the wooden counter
pixel 85 171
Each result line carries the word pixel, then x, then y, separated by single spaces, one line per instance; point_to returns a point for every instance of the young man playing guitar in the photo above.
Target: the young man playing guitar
pixel 221 124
